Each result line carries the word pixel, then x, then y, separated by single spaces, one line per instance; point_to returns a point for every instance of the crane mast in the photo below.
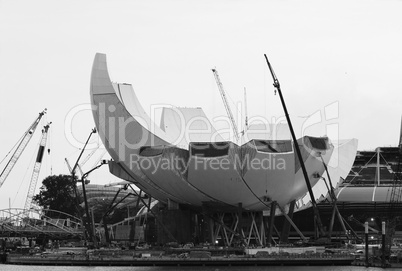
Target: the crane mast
pixel 37 166
pixel 225 102
pixel 20 148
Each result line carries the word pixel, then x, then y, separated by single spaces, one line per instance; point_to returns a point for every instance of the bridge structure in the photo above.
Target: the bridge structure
pixel 36 222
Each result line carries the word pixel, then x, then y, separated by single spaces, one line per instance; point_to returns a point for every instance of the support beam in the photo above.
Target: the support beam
pixel 240 217
pixel 331 192
pixel 152 212
pixel 211 230
pixel 286 224
pixel 266 230
pixel 271 222
pixel 351 229
pixel 262 228
pixel 149 203
pixel 111 207
pixel 138 200
pixel 292 223
pixel 332 221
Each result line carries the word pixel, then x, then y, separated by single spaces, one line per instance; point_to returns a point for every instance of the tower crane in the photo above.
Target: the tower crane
pixel 225 102
pixel 20 148
pixel 37 166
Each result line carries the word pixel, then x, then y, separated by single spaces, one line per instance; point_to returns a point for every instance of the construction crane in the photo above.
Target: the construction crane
pixel 100 158
pixel 89 156
pixel 225 102
pixel 37 166
pixel 70 168
pixel 20 148
pixel 79 166
pixel 317 217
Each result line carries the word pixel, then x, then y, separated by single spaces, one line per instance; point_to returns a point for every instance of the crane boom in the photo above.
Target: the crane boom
pixel 100 158
pixel 70 168
pixel 277 86
pixel 68 165
pixel 37 166
pixel 20 148
pixel 89 156
pixel 225 102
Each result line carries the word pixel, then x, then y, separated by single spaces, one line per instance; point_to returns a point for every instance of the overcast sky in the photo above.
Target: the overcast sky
pixel 325 53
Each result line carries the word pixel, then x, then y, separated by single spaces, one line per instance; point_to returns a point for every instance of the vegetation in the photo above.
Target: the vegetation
pixel 58 193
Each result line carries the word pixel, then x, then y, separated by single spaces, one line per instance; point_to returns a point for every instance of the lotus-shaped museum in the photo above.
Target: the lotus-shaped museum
pixel 185 160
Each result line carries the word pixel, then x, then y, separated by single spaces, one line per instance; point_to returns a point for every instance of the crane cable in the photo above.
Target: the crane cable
pixel 18 141
pixel 49 138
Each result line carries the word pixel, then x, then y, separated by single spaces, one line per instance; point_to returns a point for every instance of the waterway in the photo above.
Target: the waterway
pixel 5 267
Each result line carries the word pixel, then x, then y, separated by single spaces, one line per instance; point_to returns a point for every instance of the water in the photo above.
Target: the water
pixel 5 267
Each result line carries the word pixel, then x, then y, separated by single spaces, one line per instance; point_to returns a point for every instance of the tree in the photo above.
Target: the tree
pixel 58 193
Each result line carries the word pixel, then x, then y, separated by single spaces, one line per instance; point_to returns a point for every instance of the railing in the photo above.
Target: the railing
pixel 36 221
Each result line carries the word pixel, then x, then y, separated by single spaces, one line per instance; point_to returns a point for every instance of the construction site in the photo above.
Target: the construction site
pixel 237 207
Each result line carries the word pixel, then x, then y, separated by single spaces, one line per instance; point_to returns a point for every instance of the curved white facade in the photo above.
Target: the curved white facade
pixel 197 168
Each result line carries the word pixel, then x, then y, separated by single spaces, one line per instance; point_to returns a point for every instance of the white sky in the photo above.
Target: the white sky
pixel 323 52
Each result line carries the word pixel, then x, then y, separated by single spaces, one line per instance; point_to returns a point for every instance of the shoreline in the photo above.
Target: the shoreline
pixel 166 261
pixel 160 258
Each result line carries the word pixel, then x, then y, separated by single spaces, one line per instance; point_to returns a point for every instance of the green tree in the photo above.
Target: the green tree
pixel 58 193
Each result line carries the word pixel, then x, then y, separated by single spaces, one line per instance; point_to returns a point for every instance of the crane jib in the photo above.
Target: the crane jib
pixel 20 148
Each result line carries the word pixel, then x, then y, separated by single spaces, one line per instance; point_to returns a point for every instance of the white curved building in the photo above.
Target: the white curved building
pixel 186 161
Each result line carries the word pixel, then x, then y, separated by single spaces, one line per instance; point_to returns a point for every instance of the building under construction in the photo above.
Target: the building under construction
pixel 258 189
pixel 210 189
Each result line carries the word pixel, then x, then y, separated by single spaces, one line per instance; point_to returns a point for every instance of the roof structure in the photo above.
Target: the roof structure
pixel 371 177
